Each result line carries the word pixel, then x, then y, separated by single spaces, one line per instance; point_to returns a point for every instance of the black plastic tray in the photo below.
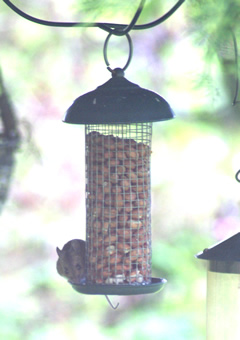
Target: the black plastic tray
pixel 121 289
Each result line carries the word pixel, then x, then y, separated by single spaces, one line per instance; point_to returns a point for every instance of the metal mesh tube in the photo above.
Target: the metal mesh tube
pixel 118 203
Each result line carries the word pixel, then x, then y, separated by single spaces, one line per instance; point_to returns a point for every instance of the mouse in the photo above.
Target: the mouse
pixel 71 261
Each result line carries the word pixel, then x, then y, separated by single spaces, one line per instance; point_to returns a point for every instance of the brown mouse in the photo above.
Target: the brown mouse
pixel 71 262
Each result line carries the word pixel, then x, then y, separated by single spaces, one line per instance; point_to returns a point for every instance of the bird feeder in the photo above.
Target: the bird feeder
pixel 223 283
pixel 118 119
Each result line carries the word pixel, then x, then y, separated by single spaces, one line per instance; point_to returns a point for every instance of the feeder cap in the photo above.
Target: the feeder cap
pixel 118 101
pixel 227 250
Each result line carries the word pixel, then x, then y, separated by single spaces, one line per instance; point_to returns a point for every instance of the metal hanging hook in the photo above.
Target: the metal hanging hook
pixel 129 56
pixel 110 303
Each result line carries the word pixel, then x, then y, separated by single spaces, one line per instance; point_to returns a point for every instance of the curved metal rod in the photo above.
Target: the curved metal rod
pixel 118 28
pixel 127 29
pixel 237 176
pixel 110 303
pixel 161 19
pixel 235 101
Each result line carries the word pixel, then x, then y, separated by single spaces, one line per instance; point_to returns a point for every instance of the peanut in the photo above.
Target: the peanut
pixel 137 243
pixel 130 163
pixel 131 196
pixel 108 154
pixel 143 195
pixel 132 154
pixel 106 188
pixel 141 171
pixel 110 239
pixel 112 162
pixel 125 247
pixel 132 176
pixel 128 207
pixel 119 278
pixel 99 179
pixel 114 178
pixel 120 143
pixel 114 259
pixel 126 233
pixel 120 169
pixel 135 275
pixel 124 183
pixel 96 210
pixel 97 196
pixel 120 155
pixel 110 212
pixel 140 203
pixel 133 224
pixel 118 200
pixel 143 149
pixel 140 188
pixel 117 189
pixel 137 213
pixel 104 273
pixel 113 224
pixel 97 241
pixel 141 231
pixel 110 250
pixel 123 218
pixel 121 268
pixel 108 200
pixel 109 144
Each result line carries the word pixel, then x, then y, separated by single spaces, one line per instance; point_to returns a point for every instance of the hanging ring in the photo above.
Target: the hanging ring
pixel 129 56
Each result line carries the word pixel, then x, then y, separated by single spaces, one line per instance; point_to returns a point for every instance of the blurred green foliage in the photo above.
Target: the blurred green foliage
pixel 195 198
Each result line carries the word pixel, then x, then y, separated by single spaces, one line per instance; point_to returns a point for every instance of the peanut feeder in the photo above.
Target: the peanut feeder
pixel 118 118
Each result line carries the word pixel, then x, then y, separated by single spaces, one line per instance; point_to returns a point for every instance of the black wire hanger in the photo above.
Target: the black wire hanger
pixel 116 29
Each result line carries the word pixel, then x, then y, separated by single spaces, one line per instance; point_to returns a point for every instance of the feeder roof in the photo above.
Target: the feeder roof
pixel 227 250
pixel 118 101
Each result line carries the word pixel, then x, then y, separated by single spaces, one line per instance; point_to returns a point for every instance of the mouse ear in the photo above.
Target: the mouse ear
pixel 59 252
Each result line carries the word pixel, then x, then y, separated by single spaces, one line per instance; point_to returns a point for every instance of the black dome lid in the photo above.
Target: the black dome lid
pixel 227 250
pixel 118 101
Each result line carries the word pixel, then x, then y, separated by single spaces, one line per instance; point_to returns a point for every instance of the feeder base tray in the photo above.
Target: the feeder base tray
pixel 123 289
